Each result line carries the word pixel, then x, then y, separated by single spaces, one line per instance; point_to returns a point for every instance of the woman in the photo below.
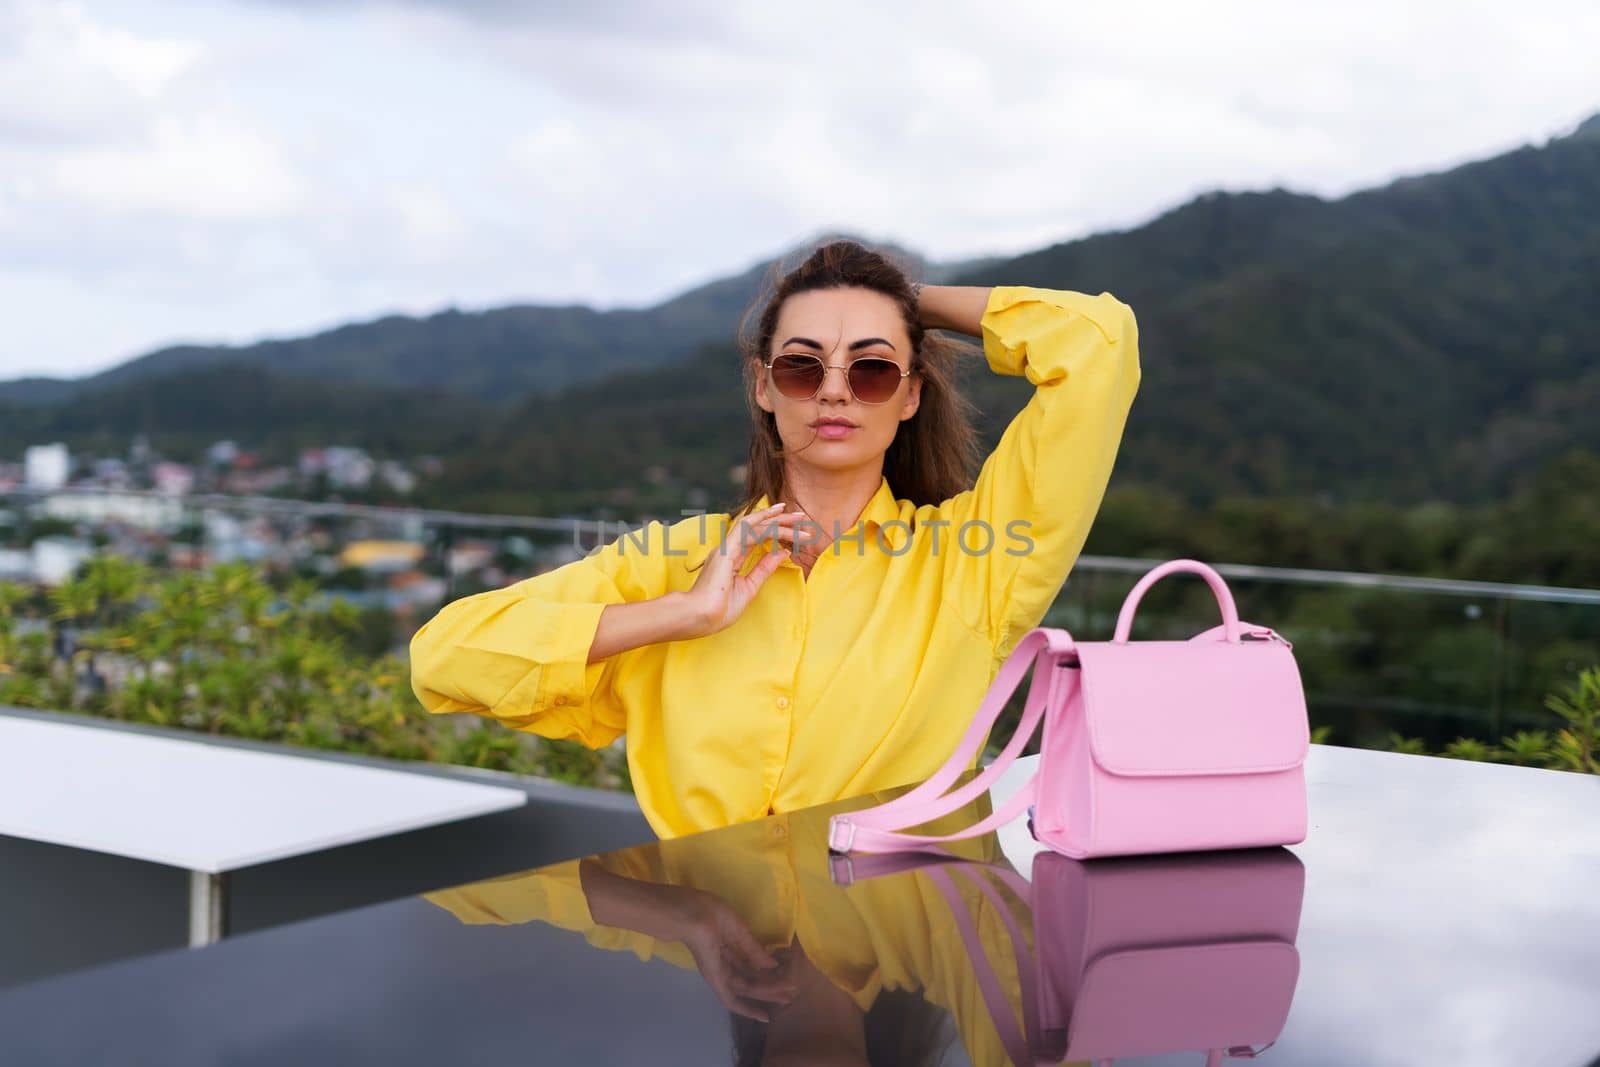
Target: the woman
pixel 835 632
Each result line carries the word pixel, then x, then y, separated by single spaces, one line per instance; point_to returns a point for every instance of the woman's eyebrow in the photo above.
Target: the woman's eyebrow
pixel 865 342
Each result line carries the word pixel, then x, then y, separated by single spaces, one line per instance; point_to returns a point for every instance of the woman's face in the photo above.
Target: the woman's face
pixel 839 326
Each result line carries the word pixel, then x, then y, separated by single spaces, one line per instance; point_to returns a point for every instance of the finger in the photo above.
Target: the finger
pixel 745 944
pixel 769 563
pixel 775 547
pixel 764 991
pixel 772 535
pixel 771 517
pixel 764 529
pixel 732 532
pixel 743 536
pixel 771 984
pixel 794 537
pixel 741 1005
pixel 779 534
pixel 740 555
pixel 730 549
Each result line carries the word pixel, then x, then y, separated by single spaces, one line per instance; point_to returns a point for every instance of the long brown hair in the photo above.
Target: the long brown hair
pixel 934 453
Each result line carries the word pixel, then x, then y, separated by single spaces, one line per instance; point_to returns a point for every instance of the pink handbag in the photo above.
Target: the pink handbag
pixel 1148 747
pixel 1136 956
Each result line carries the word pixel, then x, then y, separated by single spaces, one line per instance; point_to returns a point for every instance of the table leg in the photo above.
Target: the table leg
pixel 208 908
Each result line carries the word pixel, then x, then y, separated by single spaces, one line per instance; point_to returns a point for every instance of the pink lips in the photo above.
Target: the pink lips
pixel 833 431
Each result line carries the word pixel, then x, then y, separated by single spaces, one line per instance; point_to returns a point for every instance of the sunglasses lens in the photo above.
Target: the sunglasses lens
pixel 798 377
pixel 874 380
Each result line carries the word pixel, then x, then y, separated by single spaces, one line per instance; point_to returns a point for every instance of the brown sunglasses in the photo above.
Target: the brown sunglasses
pixel 872 379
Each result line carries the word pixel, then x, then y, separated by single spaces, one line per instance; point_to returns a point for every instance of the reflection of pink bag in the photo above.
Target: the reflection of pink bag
pixel 1149 746
pixel 1134 957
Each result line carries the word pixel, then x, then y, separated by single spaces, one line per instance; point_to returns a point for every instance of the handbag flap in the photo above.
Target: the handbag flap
pixel 1193 707
pixel 1144 1002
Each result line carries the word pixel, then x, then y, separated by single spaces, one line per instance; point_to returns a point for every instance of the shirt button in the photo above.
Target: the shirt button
pixel 561 700
pixel 783 702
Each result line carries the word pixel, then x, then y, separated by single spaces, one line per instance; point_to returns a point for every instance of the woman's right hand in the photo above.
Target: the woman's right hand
pixel 720 594
pixel 743 974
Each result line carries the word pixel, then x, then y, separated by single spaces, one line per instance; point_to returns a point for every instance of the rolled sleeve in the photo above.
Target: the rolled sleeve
pixel 552 894
pixel 555 895
pixel 520 654
pixel 1041 487
pixel 559 694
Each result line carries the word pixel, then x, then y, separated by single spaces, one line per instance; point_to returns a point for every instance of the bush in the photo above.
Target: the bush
pixel 226 653
pixel 1571 748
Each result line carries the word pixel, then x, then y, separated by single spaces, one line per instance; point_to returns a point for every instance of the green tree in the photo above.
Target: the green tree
pixel 225 652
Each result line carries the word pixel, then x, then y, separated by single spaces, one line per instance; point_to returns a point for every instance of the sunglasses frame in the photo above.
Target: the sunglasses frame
pixel 826 367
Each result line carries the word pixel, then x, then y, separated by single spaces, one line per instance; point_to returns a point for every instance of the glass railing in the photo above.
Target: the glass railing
pixel 1428 658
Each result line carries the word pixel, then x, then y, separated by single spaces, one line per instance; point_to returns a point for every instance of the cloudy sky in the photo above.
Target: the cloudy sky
pixel 232 169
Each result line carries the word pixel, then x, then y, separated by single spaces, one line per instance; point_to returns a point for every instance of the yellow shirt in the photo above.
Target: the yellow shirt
pixel 892 931
pixel 863 675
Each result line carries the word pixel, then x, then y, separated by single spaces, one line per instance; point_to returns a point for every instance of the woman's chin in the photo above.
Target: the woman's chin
pixel 839 459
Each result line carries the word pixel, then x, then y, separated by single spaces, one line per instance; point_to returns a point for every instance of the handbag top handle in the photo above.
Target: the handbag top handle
pixel 1230 614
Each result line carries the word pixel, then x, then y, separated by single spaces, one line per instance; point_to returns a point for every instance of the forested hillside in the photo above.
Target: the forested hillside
pixel 1436 339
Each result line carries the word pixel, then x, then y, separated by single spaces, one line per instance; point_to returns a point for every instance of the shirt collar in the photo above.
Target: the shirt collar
pixel 883 506
pixel 879 510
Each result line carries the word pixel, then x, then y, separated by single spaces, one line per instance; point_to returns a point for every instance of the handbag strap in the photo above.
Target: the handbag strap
pixel 1020 1042
pixel 1042 648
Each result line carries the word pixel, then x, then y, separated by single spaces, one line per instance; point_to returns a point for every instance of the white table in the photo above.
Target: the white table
pixel 208 808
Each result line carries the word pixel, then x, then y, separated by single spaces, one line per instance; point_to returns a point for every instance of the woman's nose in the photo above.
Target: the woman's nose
pixel 835 384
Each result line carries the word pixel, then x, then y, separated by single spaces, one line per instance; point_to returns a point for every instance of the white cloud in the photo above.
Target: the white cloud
pixel 227 170
pixel 204 169
pixel 145 65
pixel 64 76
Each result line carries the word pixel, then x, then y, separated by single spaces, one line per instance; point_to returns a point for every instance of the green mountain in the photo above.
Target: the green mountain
pixel 184 411
pixel 497 355
pixel 1434 338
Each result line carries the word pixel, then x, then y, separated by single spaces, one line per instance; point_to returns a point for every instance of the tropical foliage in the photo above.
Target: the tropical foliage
pixel 1571 745
pixel 224 652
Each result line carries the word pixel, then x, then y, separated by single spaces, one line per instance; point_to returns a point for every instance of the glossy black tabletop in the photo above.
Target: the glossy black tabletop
pixel 1439 912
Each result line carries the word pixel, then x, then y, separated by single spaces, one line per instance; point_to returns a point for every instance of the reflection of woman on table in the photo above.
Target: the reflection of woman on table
pixel 810 972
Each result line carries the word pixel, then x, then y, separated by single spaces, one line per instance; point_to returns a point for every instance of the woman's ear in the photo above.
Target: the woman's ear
pixel 913 397
pixel 762 399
